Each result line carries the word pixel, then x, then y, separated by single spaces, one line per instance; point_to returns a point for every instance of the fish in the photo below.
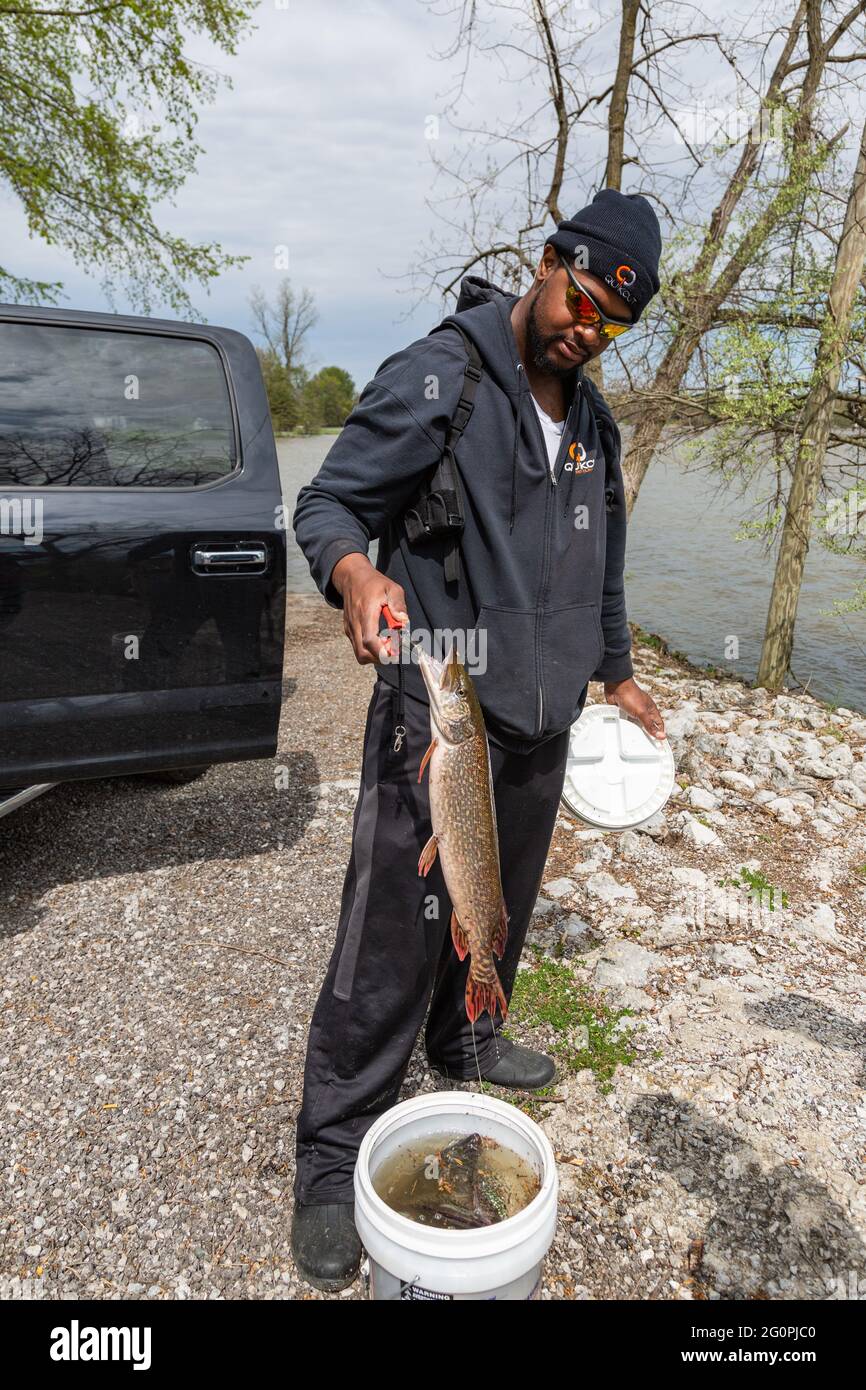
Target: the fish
pixel 467 1192
pixel 463 816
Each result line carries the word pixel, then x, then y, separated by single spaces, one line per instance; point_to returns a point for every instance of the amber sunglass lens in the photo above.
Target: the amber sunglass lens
pixel 613 330
pixel 584 308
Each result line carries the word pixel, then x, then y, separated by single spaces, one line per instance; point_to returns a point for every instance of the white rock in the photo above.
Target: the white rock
pixel 698 833
pixel 755 984
pixel 691 877
pixel 816 767
pixel 560 887
pixel 740 781
pixel 656 827
pixel 841 758
pixel 625 963
pixel 783 809
pixel 850 791
pixel 779 742
pixel 801 797
pixel 701 798
pixel 630 845
pixel 821 923
pixel 682 722
pixel 823 828
pixel 629 997
pixel 605 886
pixel 824 870
pixel 815 718
pixel 858 774
pixel 735 957
pixel 808 744
pixel 789 708
pixel 542 907
pixel 575 928
pixel 736 748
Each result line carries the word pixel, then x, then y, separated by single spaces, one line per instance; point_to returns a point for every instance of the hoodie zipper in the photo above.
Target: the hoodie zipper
pixel 551 473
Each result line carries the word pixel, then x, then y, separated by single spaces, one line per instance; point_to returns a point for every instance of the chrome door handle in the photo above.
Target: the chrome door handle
pixel 241 560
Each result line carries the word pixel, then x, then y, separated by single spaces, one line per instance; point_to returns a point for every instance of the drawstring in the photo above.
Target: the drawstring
pixel 399 726
pixel 517 423
pixel 574 469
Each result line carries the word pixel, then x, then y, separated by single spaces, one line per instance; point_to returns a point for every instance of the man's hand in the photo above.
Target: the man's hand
pixel 636 702
pixel 364 590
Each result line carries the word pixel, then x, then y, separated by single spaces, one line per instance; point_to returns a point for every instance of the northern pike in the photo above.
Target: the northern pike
pixel 463 815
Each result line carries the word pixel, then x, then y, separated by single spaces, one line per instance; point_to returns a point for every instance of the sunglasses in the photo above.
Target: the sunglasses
pixel 586 311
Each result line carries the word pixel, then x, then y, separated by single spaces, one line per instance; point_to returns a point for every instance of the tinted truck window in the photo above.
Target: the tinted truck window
pixel 82 407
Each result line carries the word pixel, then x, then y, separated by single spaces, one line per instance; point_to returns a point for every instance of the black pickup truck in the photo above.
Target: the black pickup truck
pixel 142 550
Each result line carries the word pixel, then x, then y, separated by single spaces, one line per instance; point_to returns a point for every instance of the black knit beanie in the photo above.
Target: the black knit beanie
pixel 621 243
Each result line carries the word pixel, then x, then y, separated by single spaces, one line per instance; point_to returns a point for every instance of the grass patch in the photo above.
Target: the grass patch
pixel 758 886
pixel 833 731
pixel 547 995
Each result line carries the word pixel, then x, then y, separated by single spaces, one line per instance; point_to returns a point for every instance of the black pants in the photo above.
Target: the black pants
pixel 393 946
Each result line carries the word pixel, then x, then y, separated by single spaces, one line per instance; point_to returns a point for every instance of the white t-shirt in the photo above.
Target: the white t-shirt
pixel 552 431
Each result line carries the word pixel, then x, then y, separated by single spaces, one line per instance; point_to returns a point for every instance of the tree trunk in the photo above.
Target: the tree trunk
pixel 619 96
pixel 616 130
pixel 812 446
pixel 699 302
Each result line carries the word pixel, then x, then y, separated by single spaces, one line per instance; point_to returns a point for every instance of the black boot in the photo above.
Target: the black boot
pixel 517 1067
pixel 522 1069
pixel 325 1245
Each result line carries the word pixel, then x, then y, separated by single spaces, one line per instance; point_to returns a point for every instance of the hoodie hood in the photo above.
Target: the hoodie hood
pixel 483 313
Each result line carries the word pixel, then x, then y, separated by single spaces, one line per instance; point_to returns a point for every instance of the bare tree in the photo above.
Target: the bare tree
pixel 284 325
pixel 699 292
pixel 505 188
pixel 812 444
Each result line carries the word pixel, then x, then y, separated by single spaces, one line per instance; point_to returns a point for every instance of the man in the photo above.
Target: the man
pixel 541 581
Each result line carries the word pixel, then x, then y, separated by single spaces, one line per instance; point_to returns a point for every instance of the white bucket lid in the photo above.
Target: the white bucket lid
pixel 616 775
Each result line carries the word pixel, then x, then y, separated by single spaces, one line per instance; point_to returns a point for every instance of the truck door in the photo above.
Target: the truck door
pixel 142 549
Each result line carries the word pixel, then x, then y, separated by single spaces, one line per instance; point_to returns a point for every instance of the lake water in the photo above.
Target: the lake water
pixel 690 581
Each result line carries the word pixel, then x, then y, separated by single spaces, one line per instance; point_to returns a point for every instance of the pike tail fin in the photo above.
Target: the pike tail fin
pixel 484 994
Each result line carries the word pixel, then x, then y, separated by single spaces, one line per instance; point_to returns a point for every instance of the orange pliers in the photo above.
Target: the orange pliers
pixel 392 624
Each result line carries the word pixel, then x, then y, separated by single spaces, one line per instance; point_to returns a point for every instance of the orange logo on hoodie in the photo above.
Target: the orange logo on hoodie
pixel 578 460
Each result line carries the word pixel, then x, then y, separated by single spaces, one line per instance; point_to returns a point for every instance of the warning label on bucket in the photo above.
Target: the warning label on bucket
pixel 415 1293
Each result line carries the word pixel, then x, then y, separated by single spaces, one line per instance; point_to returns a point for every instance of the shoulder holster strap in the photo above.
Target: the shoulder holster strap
pixel 438 510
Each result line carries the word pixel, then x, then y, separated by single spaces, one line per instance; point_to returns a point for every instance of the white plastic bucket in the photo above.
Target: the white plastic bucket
pixel 409 1261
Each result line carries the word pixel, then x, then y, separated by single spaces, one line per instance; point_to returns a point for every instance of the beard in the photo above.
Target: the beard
pixel 537 344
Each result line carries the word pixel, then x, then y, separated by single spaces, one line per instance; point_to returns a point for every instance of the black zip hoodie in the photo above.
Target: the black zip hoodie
pixel 541 561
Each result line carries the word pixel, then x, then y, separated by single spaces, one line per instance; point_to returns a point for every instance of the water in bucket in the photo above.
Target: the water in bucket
pixel 456 1181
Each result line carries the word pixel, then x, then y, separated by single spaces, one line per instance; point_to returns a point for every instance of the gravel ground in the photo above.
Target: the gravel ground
pixel 162 950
